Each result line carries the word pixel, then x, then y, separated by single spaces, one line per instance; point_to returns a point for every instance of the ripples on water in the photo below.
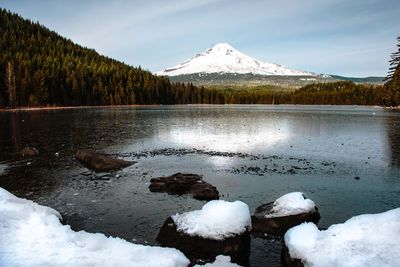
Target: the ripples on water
pixel 251 153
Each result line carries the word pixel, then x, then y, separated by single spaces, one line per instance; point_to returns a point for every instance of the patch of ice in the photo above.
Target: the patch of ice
pixel 363 241
pixel 32 235
pixel 220 261
pixel 291 204
pixel 218 220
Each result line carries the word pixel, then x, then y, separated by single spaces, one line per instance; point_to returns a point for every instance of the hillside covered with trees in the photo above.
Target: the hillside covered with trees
pixel 38 67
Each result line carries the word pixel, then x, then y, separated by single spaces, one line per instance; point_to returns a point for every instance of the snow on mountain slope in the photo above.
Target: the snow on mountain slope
pixel 223 58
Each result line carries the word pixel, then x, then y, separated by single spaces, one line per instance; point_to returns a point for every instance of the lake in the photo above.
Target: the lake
pixel 252 153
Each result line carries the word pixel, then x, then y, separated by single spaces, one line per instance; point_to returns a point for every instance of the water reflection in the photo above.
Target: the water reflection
pixel 229 138
pixel 331 135
pixel 393 134
pixel 15 133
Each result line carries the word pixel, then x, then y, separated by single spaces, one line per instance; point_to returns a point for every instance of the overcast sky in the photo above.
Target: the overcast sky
pixel 345 37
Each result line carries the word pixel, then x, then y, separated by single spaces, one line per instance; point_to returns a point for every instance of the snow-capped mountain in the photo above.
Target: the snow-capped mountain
pixel 223 58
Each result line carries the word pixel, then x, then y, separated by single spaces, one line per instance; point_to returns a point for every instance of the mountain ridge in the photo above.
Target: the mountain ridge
pixel 223 58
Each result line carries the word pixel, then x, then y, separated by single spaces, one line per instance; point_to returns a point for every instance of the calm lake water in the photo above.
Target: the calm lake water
pixel 250 153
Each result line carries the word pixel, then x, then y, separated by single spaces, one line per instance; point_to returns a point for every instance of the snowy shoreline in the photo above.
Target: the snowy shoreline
pixel 32 235
pixel 364 240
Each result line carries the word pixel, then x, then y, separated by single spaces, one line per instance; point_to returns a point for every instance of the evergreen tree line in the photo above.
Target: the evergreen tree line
pixel 336 93
pixel 38 67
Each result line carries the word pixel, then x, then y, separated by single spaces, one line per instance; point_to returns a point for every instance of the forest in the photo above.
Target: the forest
pixel 38 67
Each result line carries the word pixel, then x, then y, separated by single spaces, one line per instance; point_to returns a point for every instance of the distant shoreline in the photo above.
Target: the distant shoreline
pixel 68 107
pixel 155 105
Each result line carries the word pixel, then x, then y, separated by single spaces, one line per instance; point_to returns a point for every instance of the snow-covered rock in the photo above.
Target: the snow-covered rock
pixel 217 220
pixel 220 261
pixel 32 235
pixel 220 227
pixel 223 58
pixel 291 204
pixel 275 218
pixel 362 241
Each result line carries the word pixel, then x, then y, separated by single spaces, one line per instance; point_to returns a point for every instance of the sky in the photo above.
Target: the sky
pixel 343 37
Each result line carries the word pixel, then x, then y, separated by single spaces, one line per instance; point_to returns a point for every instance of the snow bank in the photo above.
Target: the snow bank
pixel 220 261
pixel 32 235
pixel 362 241
pixel 218 220
pixel 291 204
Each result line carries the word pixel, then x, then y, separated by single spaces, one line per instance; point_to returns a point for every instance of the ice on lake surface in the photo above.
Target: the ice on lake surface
pixel 254 154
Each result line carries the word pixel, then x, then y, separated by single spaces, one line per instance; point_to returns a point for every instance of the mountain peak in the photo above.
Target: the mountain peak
pixel 222 46
pixel 223 58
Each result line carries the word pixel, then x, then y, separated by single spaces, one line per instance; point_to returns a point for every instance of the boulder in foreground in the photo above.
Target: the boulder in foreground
pixel 364 240
pixel 181 183
pixel 292 209
pixel 99 162
pixel 219 228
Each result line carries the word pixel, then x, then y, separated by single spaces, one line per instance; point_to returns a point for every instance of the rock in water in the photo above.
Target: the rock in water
pixel 99 162
pixel 181 183
pixel 195 247
pixel 275 218
pixel 219 228
pixel 29 152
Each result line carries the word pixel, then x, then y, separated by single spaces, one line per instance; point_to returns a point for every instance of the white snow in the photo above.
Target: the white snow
pixel 220 261
pixel 32 235
pixel 291 204
pixel 368 240
pixel 218 220
pixel 223 58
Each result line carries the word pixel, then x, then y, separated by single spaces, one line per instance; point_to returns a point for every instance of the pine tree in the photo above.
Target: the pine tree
pixel 392 85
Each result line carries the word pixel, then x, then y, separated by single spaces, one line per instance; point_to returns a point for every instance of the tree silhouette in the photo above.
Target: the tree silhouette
pixel 392 85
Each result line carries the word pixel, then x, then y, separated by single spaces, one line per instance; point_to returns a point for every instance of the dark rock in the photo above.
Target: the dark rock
pixel 195 248
pixel 99 162
pixel 74 220
pixel 29 152
pixel 279 225
pixel 357 178
pixel 180 183
pixel 287 261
